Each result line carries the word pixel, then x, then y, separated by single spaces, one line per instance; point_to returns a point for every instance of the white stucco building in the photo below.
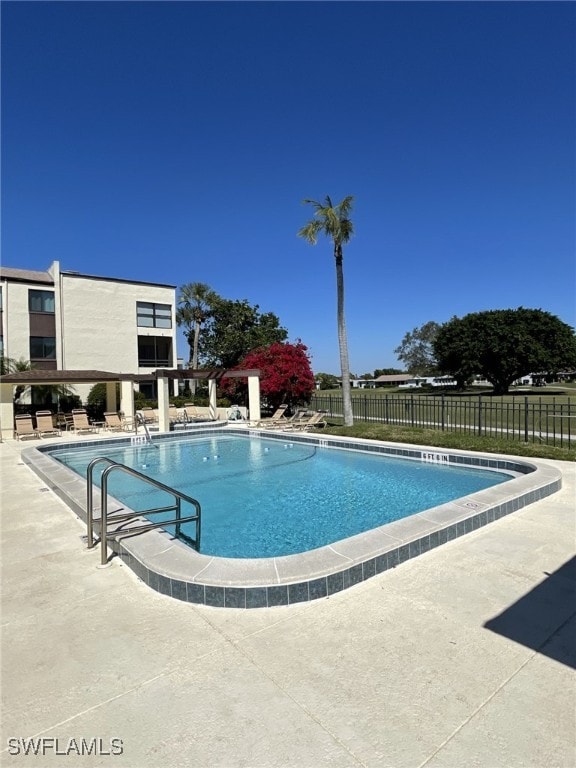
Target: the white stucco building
pixel 62 320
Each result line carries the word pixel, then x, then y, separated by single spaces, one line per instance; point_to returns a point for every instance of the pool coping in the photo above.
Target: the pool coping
pixel 172 568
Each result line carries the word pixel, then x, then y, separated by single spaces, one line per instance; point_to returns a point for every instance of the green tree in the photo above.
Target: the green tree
pixel 503 345
pixel 96 401
pixel 334 222
pixel 416 350
pixel 327 381
pixel 233 329
pixel 383 372
pixel 194 307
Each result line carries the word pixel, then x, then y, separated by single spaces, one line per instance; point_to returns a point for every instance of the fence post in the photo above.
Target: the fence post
pixel 479 415
pixel 330 405
pixel 442 412
pixel 525 419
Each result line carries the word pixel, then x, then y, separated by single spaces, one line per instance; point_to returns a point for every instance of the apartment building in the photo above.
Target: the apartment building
pixel 62 320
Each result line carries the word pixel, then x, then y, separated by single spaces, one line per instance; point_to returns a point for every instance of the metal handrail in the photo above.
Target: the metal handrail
pixel 140 420
pixel 125 516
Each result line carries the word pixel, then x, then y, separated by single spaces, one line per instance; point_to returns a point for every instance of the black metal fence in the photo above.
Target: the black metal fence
pixel 519 418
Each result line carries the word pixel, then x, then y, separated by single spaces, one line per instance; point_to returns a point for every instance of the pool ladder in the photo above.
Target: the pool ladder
pixel 141 421
pixel 106 517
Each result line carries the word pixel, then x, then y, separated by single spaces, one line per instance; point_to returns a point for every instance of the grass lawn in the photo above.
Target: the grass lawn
pixel 465 442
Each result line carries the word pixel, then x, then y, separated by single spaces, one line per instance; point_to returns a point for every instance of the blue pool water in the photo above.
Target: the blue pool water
pixel 266 498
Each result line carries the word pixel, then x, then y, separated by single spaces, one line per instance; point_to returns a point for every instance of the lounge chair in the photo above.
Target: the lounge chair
pixel 285 422
pixel 196 413
pixel 177 415
pixel 276 418
pixel 23 427
pixel 64 421
pixel 114 423
pixel 150 415
pixel 81 423
pixel 313 421
pixel 235 414
pixel 45 424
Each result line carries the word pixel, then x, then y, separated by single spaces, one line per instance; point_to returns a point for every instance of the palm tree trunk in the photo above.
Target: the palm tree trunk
pixel 343 339
pixel 195 355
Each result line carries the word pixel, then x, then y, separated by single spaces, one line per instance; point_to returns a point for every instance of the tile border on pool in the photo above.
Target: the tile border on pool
pixel 170 567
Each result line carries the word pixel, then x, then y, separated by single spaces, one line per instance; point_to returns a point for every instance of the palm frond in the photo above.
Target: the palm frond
pixel 346 230
pixel 311 231
pixel 345 206
pixel 331 220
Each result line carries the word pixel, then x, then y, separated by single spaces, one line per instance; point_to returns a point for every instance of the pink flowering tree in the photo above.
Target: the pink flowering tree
pixel 285 375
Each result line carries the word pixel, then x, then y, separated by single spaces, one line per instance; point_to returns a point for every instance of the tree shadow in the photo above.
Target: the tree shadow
pixel 543 619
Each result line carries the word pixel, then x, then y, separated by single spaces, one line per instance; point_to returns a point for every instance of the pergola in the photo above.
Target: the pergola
pixel 126 381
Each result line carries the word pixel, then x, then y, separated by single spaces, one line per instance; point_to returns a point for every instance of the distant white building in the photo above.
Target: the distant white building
pixel 63 320
pixel 360 383
pixel 386 380
pixel 432 381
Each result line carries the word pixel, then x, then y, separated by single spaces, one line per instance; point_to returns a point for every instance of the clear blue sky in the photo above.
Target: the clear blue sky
pixel 175 142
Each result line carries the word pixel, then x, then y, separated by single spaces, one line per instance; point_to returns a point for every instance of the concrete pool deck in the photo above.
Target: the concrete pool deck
pixel 463 656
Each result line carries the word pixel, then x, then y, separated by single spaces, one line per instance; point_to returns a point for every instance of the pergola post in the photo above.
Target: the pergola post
pixel 212 399
pixel 7 410
pixel 127 399
pixel 163 404
pixel 111 403
pixel 254 398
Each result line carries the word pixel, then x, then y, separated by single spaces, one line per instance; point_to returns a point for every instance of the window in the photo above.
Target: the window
pixel 148 389
pixel 41 301
pixel 153 315
pixel 154 352
pixel 42 348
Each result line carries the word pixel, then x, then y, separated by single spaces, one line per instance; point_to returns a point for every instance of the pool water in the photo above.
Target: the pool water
pixel 266 498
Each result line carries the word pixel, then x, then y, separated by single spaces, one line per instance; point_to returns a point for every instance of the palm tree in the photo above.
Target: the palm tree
pixel 334 222
pixel 11 365
pixel 194 303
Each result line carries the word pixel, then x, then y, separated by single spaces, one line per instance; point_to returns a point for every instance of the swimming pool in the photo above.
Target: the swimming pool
pixel 170 567
pixel 264 497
